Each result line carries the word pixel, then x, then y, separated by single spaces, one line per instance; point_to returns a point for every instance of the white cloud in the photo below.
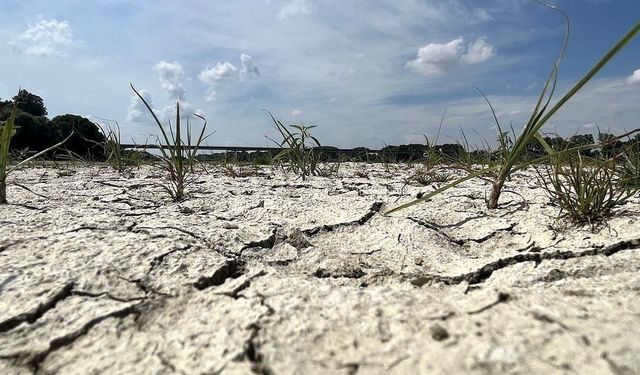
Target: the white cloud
pixel 249 69
pixel 483 15
pixel 634 78
pixel 45 38
pixel 435 58
pixel 171 74
pixel 213 76
pixel 296 7
pixel 227 72
pixel 168 113
pixel 296 112
pixel 438 58
pixel 221 72
pixel 478 51
pixel 138 112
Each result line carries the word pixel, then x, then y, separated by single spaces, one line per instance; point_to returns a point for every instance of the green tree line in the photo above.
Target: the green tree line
pixel 36 132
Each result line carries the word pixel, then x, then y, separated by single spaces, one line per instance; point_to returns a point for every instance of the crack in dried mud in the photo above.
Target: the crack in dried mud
pixel 463 241
pixel 267 243
pixel 155 262
pixel 234 293
pixel 110 296
pixel 34 360
pixel 231 268
pixel 375 208
pixel 252 346
pixel 483 273
pixel 39 311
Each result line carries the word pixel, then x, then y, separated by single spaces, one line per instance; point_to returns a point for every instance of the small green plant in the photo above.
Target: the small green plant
pixel 585 189
pixel 361 171
pixel 239 170
pixel 118 158
pixel 629 166
pixel 511 155
pixel 425 177
pixel 432 158
pixel 7 131
pixel 261 158
pixel 177 157
pixel 299 149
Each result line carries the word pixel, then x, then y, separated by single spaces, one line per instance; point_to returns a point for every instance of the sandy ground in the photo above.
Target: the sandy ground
pixel 101 273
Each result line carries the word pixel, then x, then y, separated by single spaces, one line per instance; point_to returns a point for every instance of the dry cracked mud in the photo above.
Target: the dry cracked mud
pixel 101 273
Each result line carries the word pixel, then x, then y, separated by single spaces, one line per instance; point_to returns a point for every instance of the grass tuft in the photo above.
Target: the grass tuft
pixel 586 189
pixel 178 158
pixel 300 150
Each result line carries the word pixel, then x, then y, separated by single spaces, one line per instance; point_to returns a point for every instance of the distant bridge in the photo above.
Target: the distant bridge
pixel 252 148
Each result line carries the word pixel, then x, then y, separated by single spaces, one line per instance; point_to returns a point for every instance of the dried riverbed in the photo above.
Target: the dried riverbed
pixel 101 273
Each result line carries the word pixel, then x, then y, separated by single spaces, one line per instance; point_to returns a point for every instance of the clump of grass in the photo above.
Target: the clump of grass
pixel 431 157
pixel 239 171
pixel 585 189
pixel 425 177
pixel 629 167
pixel 118 158
pixel 178 157
pixel 299 153
pixel 361 172
pixel 329 169
pixel 261 158
pixel 511 154
pixel 7 131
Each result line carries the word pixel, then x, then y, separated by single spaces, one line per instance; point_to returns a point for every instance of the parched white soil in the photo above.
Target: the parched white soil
pixel 102 273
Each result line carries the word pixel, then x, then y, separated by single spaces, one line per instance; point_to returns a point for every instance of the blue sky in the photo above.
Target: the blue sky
pixel 366 72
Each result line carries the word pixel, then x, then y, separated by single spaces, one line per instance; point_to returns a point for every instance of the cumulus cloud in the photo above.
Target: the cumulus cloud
pixel 45 38
pixel 296 112
pixel 138 112
pixel 296 7
pixel 249 69
pixel 214 76
pixel 438 58
pixel 168 113
pixel 171 74
pixel 220 72
pixel 435 58
pixel 634 78
pixel 227 72
pixel 478 51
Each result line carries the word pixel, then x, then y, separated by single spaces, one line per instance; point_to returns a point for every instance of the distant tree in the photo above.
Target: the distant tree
pixel 34 133
pixel 30 103
pixel 633 144
pixel 404 152
pixel 328 153
pixel 610 146
pixel 361 154
pixel 582 140
pixel 556 143
pixel 5 109
pixel 450 150
pixel 87 138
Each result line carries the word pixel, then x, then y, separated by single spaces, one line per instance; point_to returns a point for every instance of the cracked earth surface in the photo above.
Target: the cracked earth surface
pixel 101 273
